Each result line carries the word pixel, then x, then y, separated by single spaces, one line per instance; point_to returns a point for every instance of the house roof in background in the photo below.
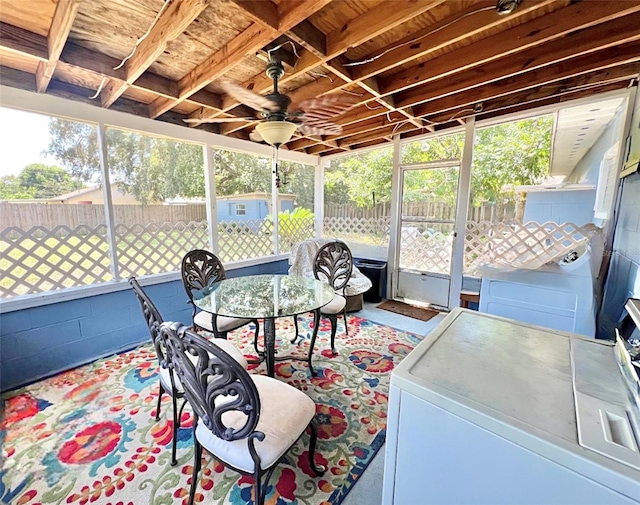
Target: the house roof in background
pixel 411 66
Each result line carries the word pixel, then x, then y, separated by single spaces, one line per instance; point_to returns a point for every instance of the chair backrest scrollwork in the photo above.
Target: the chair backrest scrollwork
pixel 153 319
pixel 200 269
pixel 214 383
pixel 334 262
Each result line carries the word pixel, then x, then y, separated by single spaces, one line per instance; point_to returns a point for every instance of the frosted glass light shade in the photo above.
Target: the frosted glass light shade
pixel 276 132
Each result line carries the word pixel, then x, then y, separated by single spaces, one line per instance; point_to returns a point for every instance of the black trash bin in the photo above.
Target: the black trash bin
pixel 376 271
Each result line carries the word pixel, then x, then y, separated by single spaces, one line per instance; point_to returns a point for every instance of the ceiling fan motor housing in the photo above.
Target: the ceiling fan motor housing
pixel 282 101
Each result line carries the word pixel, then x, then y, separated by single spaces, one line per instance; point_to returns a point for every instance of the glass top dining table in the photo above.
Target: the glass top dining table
pixel 266 297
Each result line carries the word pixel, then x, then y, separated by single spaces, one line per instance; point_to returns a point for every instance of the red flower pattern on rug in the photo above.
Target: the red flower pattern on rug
pixel 98 441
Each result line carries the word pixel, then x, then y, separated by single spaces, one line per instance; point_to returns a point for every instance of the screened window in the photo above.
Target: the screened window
pixel 357 201
pixel 242 176
pixel 157 190
pixel 52 232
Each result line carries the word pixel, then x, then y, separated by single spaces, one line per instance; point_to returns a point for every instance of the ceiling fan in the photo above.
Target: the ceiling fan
pixel 282 117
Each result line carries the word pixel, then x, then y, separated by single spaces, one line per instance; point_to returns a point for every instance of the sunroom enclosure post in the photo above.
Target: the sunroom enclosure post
pixel 318 199
pixel 462 209
pixel 274 200
pixel 396 210
pixel 211 199
pixel 108 201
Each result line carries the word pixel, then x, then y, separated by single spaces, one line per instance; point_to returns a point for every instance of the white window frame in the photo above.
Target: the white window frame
pixel 240 209
pixel 78 111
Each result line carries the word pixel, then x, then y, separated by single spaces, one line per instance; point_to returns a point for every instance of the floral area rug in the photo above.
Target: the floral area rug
pixel 90 435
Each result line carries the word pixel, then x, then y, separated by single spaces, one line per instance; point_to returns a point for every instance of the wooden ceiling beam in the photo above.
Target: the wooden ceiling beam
pixel 606 65
pixel 170 25
pixel 580 44
pixel 249 41
pixel 525 101
pixel 385 118
pixel 618 76
pixel 370 85
pixel 309 37
pixel 85 60
pixel 263 12
pixel 293 12
pixel 475 19
pixel 21 41
pixel 519 39
pixel 385 16
pixel 63 17
pixel 387 131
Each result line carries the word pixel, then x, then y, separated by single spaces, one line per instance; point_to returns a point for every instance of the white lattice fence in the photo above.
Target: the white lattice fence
pixel 294 231
pixel 157 248
pixel 239 240
pixel 366 230
pixel 426 250
pixel 529 245
pixel 41 259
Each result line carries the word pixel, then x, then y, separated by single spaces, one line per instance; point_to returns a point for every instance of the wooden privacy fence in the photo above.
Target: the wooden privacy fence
pixel 434 210
pixel 50 215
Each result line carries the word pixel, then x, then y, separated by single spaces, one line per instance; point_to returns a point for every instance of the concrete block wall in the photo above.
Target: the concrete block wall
pixel 623 279
pixel 41 341
pixel 560 206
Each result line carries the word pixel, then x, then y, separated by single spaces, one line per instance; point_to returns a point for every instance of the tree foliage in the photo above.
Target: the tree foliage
pixel 37 181
pixel 506 155
pixel 153 169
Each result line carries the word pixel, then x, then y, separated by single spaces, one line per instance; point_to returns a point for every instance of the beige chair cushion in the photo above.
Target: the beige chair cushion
pixel 285 413
pixel 223 344
pixel 335 306
pixel 203 320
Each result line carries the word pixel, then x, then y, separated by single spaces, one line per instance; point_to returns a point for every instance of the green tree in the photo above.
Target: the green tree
pixel 37 181
pixel 238 173
pixel 75 146
pixel 299 180
pixel 12 189
pixel 151 168
pixel 360 179
pixel 506 155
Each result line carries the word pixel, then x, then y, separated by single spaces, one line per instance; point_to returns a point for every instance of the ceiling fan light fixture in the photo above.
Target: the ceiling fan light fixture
pixel 276 133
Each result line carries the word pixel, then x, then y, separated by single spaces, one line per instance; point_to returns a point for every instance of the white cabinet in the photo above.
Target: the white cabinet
pixel 483 412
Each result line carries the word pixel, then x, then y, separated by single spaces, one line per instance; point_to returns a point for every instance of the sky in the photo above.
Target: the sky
pixel 23 137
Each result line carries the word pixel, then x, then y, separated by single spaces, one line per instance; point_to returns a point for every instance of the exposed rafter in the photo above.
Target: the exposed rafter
pixel 63 17
pixel 410 66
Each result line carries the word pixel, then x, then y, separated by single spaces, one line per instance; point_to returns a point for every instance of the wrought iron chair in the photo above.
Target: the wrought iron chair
pixel 247 422
pixel 333 263
pixel 167 383
pixel 200 269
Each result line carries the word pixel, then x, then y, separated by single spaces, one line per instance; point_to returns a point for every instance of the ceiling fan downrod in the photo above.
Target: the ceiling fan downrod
pixel 275 71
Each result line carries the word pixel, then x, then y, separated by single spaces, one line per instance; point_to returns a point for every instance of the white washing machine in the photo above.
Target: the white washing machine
pixel 488 411
pixel 559 296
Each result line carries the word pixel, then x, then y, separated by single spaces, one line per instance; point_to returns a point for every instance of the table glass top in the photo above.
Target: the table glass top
pixel 258 296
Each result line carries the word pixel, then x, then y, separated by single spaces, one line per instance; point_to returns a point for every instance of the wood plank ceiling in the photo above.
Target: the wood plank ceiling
pixel 412 66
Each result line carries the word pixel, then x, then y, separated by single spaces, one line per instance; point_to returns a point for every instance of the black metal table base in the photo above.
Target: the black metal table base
pixel 269 354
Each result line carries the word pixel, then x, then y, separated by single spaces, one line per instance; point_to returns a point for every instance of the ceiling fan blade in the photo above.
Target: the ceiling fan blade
pixel 255 136
pixel 320 128
pixel 326 106
pixel 219 120
pixel 248 97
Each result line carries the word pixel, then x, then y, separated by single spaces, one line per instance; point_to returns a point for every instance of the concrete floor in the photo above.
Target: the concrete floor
pixel 368 489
